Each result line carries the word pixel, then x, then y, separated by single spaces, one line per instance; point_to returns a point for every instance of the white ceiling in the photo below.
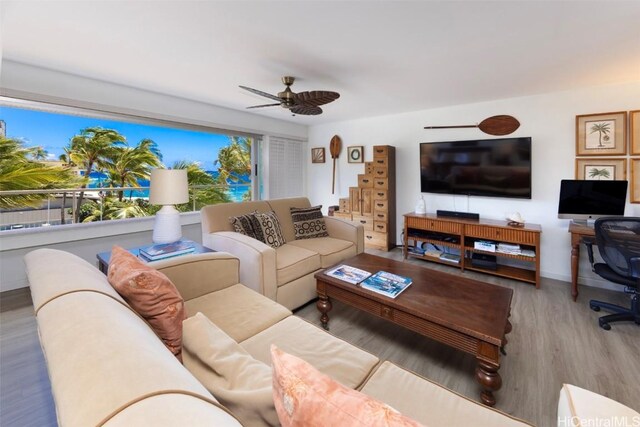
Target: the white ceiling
pixel 383 57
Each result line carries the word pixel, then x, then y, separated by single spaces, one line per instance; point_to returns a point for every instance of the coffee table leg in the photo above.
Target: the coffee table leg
pixel 324 306
pixel 507 329
pixel 490 381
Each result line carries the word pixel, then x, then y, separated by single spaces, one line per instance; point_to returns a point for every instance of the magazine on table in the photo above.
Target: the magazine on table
pixel 348 274
pixel 166 250
pixel 387 284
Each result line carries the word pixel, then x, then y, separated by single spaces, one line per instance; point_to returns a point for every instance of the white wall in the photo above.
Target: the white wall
pixel 549 119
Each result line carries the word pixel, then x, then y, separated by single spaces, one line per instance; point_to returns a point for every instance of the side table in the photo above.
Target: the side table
pixel 105 257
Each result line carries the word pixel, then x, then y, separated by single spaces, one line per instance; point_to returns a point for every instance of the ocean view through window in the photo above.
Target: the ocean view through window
pixel 58 168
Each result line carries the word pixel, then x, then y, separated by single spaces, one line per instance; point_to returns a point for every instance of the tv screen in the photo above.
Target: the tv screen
pixel 484 167
pixel 580 199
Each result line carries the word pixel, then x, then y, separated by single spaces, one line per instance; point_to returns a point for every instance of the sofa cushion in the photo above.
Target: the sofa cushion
pixel 270 227
pixel 151 294
pixel 216 217
pixel 248 225
pixel 240 382
pixel 308 222
pixel 293 262
pixel 305 397
pixel 332 251
pixel 436 405
pixel 238 310
pixel 332 356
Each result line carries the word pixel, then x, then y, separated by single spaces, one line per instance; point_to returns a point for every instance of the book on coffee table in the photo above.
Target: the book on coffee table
pixel 388 284
pixel 166 250
pixel 348 274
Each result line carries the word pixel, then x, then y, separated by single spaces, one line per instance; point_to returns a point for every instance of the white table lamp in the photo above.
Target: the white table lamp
pixel 169 187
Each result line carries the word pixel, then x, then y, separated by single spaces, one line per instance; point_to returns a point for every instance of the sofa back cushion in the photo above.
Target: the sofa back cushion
pixel 151 294
pixel 270 228
pixel 282 208
pixel 216 217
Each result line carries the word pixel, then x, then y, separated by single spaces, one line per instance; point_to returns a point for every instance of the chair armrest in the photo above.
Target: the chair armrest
pixel 589 242
pixel 199 274
pixel 257 260
pixel 346 230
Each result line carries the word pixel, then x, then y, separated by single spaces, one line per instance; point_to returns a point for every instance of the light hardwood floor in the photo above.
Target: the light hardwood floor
pixel 553 341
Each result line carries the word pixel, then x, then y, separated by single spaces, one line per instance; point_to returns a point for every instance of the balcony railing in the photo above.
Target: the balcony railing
pixel 49 213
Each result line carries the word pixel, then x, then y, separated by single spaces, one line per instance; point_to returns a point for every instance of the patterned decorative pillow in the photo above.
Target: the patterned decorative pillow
pixel 151 294
pixel 308 222
pixel 248 225
pixel 271 231
pixel 303 396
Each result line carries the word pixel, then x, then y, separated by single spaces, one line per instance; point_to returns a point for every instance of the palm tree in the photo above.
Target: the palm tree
pixel 89 150
pixel 110 209
pixel 128 165
pixel 603 132
pixel 196 176
pixel 234 162
pixel 19 172
pixel 599 173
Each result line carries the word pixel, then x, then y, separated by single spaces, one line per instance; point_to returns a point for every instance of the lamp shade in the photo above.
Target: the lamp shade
pixel 168 187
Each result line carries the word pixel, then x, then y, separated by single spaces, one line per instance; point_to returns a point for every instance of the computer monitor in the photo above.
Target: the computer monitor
pixel 586 199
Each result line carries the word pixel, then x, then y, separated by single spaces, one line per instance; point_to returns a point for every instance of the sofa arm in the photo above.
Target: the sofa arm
pixel 199 274
pixel 580 407
pixel 346 230
pixel 257 260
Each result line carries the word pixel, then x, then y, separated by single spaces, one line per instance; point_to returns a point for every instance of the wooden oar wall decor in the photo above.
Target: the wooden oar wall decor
pixel 494 125
pixel 334 148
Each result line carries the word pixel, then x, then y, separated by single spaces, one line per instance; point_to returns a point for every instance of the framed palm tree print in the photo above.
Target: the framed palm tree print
pixel 601 134
pixel 601 169
pixel 635 180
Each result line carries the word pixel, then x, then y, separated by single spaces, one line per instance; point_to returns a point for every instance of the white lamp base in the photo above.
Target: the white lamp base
pixel 167 228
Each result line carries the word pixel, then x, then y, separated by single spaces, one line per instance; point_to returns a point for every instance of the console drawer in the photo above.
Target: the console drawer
pixel 434 225
pixel 368 168
pixel 381 183
pixel 375 239
pixel 501 234
pixel 380 226
pixel 366 221
pixel 381 205
pixel 380 161
pixel 380 151
pixel 380 194
pixel 380 172
pixel 380 216
pixel 365 181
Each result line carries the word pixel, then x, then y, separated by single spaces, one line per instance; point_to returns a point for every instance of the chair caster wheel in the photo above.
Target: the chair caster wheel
pixel 594 307
pixel 605 326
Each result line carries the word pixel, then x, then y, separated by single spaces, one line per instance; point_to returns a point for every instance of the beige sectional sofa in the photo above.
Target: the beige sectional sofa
pixel 284 274
pixel 107 367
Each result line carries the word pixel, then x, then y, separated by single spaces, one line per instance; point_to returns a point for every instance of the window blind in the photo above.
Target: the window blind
pixel 285 168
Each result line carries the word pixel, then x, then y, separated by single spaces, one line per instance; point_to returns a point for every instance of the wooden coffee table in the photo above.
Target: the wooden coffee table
pixel 465 314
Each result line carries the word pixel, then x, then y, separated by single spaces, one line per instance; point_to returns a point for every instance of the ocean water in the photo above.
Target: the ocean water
pixel 99 179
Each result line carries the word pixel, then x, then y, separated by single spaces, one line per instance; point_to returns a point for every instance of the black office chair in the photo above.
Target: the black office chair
pixel 618 240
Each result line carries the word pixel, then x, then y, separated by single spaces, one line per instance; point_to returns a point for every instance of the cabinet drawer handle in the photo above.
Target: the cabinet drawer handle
pixel 363 221
pixel 380 182
pixel 380 172
pixel 380 205
pixel 380 161
pixel 380 194
pixel 369 237
pixel 380 216
pixel 380 226
pixel 365 180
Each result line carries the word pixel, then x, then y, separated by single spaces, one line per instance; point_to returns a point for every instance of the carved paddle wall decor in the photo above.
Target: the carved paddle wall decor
pixel 494 125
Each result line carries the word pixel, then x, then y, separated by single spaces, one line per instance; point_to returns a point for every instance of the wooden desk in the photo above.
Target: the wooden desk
pixel 578 232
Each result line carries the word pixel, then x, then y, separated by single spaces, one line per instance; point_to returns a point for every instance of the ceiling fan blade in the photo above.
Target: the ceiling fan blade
pixel 261 93
pixel 306 110
pixel 316 97
pixel 264 105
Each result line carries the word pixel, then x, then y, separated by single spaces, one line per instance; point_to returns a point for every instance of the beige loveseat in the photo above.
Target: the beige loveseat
pixel 284 274
pixel 107 367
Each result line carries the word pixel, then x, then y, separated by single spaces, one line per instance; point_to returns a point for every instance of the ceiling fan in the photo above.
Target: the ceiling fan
pixel 306 103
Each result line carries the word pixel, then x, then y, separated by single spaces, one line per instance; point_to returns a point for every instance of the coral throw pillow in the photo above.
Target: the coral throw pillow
pixel 308 223
pixel 305 397
pixel 271 231
pixel 151 294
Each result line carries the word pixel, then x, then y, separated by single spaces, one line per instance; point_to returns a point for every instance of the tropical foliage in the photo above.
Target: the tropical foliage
pixel 599 173
pixel 96 149
pixel 21 170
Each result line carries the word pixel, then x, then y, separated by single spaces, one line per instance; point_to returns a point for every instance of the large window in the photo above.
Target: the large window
pixel 58 167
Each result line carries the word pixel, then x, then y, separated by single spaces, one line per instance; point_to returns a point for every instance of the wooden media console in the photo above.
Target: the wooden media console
pixel 460 235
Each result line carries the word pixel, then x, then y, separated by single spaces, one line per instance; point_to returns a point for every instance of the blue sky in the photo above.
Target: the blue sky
pixel 53 132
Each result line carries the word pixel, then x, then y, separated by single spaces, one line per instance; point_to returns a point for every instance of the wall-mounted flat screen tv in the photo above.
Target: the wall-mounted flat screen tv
pixel 479 167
